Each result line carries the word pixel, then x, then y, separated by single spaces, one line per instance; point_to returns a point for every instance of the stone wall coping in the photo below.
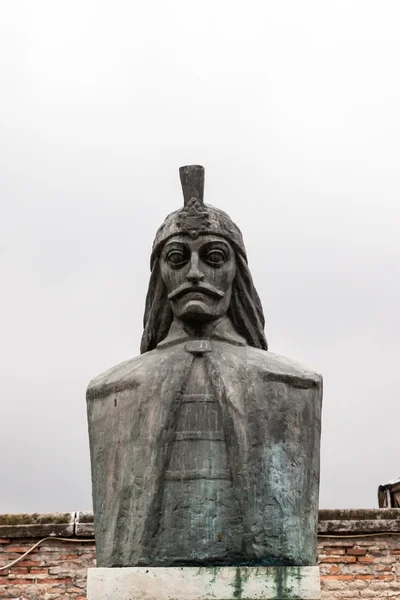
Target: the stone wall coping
pixel 79 524
pixel 37 525
pixel 357 514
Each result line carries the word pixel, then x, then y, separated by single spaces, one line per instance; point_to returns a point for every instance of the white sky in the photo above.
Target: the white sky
pixel 294 110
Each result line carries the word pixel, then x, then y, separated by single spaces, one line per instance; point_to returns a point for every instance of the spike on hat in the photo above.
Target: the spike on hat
pixel 193 216
pixel 192 180
pixel 196 218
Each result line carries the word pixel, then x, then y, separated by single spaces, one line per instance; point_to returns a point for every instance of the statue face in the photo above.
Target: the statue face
pixel 198 275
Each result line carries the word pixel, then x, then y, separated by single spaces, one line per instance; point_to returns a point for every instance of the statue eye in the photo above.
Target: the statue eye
pixel 215 257
pixel 176 258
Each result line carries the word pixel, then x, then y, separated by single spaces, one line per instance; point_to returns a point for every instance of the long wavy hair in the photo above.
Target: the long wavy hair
pixel 245 310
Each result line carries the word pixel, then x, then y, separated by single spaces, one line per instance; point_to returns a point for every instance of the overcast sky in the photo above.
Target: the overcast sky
pixel 294 110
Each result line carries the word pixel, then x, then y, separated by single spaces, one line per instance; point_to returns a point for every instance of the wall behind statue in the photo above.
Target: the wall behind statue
pixel 359 555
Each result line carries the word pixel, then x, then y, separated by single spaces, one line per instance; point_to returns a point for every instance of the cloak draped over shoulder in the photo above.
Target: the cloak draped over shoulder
pixel 271 411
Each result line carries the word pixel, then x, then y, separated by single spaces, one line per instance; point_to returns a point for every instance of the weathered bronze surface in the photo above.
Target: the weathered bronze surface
pixel 204 449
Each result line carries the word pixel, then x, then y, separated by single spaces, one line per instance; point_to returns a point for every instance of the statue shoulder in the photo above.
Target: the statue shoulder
pixel 124 375
pixel 282 368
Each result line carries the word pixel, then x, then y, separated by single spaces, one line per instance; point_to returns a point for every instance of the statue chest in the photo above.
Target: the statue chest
pixel 199 514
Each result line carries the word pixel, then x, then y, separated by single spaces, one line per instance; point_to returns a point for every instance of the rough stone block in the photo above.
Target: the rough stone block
pixel 204 583
pixel 84 524
pixel 34 525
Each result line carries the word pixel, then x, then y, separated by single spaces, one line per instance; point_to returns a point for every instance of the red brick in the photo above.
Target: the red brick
pixel 386 577
pixel 337 577
pixel 4 541
pixel 336 551
pixel 55 581
pixel 339 559
pixel 334 570
pixel 366 559
pixel 20 581
pixel 39 571
pixel 17 549
pixel 362 577
pixel 19 570
pixel 357 551
pixel 395 552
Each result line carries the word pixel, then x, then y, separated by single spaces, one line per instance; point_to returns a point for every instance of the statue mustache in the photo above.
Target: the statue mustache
pixel 189 287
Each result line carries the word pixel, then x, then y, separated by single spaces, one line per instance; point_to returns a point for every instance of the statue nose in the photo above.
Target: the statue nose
pixel 195 275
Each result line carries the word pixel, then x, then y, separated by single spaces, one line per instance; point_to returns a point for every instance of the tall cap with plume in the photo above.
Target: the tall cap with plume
pixel 195 217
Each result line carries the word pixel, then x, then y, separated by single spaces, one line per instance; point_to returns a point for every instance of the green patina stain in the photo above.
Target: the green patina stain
pixel 215 572
pixel 280 581
pixel 237 584
pixel 281 578
pixel 35 519
pixel 284 579
pixel 298 573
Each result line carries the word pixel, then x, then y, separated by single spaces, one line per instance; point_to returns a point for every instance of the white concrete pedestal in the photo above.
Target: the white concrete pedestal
pixel 204 583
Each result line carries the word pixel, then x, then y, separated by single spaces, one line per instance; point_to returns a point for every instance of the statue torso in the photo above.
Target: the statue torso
pixel 186 451
pixel 199 514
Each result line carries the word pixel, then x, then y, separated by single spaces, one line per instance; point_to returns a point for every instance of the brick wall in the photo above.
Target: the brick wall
pixel 359 554
pixel 360 568
pixel 55 570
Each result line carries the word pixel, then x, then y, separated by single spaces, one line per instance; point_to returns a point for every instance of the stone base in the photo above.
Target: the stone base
pixel 204 583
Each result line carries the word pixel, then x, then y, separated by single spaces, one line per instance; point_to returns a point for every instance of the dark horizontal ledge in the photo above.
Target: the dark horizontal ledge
pixel 332 522
pixel 37 525
pixel 358 514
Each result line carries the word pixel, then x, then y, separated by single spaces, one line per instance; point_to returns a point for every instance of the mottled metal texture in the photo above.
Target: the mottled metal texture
pixel 270 408
pixel 198 500
pixel 205 449
pixel 192 180
pixel 195 217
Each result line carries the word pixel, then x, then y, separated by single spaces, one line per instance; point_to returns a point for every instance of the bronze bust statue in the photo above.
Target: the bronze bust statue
pixel 204 449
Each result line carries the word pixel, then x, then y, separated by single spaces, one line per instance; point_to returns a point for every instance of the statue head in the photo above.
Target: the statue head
pixel 198 274
pixel 199 270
